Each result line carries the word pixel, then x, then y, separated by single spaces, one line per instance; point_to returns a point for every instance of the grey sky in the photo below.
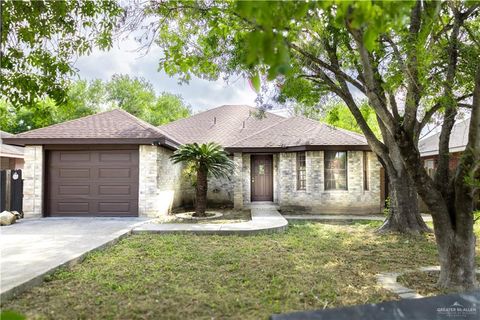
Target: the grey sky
pixel 200 94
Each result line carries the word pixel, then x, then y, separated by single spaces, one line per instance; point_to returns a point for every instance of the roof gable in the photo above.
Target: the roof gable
pixel 115 123
pixel 224 125
pixel 236 127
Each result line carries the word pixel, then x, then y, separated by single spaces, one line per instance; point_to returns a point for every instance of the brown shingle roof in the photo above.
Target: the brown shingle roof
pixel 224 125
pixel 115 123
pixel 236 127
pixel 300 131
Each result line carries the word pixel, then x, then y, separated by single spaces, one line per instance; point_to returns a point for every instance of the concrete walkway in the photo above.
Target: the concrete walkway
pixel 265 218
pixel 342 217
pixel 33 248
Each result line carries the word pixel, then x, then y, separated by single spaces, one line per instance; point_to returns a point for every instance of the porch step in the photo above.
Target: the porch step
pixel 262 205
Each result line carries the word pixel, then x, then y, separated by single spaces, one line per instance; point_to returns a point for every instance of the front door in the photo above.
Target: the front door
pixel 262 178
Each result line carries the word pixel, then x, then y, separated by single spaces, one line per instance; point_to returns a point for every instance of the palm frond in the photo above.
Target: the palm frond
pixel 210 156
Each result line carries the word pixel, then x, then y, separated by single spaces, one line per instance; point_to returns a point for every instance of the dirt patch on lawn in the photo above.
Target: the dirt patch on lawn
pixel 228 216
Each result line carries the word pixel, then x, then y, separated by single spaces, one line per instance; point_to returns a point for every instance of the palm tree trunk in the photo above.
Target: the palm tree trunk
pixel 201 189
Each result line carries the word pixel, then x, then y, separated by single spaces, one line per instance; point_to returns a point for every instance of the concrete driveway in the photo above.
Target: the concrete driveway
pixel 33 248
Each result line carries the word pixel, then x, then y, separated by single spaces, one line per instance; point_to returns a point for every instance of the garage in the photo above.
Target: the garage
pixel 85 182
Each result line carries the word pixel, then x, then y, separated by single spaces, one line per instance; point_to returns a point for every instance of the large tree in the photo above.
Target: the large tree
pixel 40 41
pixel 410 60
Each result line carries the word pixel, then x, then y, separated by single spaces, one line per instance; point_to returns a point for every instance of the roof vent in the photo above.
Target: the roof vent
pixel 243 126
pixel 214 120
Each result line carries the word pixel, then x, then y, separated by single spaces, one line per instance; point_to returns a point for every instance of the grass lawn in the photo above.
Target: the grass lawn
pixel 311 266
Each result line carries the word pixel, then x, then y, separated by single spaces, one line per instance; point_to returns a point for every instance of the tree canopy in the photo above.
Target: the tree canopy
pixel 134 95
pixel 40 41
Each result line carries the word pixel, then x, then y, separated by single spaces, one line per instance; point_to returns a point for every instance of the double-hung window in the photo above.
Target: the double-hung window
pixel 301 171
pixel 335 170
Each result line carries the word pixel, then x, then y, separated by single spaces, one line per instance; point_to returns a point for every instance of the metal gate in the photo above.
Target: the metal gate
pixel 11 190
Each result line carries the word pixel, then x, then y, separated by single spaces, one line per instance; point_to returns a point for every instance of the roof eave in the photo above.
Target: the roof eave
pixel 44 141
pixel 299 148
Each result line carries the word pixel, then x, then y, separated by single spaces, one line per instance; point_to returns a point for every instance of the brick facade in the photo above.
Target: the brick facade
pixel 163 186
pixel 33 182
pixel 315 198
pixel 160 182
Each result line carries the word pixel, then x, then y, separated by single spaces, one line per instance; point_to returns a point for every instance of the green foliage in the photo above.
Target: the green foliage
pixel 167 108
pixel 339 115
pixel 81 100
pixel 386 211
pixel 135 95
pixel 11 315
pixel 40 40
pixel 207 156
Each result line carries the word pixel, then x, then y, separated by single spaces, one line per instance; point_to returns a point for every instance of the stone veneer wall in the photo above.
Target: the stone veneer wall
pixel 315 198
pixel 160 182
pixel 163 186
pixel 33 182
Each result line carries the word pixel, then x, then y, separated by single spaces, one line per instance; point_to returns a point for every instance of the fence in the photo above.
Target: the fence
pixel 11 190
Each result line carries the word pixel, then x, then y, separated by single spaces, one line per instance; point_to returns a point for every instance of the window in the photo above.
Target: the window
pixel 301 171
pixel 430 165
pixel 335 170
pixel 366 173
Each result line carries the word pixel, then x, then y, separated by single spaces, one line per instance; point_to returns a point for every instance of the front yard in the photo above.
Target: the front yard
pixel 310 266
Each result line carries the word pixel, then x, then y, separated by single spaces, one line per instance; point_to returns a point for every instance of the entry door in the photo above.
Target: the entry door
pixel 262 178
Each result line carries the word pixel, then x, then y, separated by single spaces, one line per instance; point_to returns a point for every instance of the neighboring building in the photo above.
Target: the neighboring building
pixel 11 157
pixel 113 164
pixel 428 147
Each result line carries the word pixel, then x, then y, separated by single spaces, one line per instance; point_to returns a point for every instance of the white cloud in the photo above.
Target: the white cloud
pixel 200 94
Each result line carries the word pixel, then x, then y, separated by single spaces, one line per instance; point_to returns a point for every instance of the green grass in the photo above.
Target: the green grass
pixel 311 266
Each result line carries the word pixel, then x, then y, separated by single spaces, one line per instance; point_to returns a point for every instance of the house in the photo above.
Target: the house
pixel 428 146
pixel 114 164
pixel 11 157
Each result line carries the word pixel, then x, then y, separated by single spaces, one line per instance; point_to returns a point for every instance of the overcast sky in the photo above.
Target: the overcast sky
pixel 200 94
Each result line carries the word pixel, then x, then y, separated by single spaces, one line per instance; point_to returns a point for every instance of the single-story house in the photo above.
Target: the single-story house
pixel 11 157
pixel 428 146
pixel 114 164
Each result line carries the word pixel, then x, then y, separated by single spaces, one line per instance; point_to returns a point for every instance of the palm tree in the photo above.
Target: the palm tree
pixel 207 159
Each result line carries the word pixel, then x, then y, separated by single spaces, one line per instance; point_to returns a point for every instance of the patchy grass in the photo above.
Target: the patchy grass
pixel 311 266
pixel 229 216
pixel 425 283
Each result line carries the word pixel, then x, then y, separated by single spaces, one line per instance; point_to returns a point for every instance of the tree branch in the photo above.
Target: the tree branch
pixel 374 90
pixel 339 73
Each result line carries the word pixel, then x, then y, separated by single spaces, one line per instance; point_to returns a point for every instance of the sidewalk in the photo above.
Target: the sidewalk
pixel 342 217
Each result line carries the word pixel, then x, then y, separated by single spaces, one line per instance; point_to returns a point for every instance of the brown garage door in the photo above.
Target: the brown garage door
pixel 92 183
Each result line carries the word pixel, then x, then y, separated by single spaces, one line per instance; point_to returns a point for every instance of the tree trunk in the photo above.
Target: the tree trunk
pixel 403 215
pixel 457 260
pixel 201 193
